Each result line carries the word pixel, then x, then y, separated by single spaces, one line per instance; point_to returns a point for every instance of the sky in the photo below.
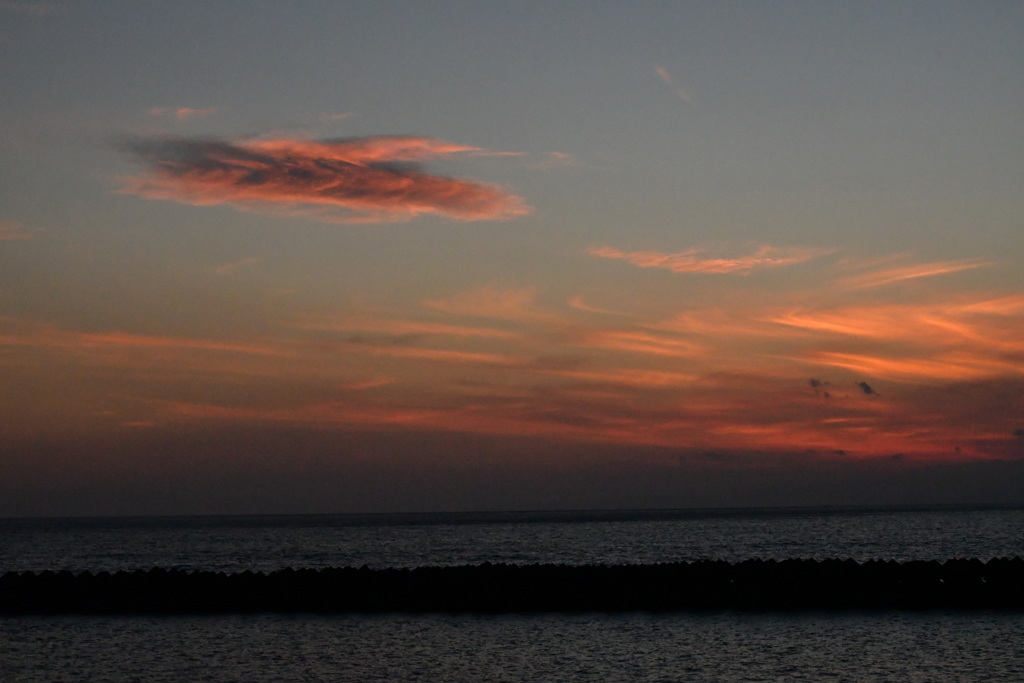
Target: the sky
pixel 386 256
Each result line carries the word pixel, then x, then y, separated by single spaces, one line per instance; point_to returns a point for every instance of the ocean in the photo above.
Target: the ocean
pixel 722 646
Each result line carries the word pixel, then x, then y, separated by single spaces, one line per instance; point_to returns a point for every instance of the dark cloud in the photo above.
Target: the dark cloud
pixel 371 179
pixel 817 385
pixel 866 388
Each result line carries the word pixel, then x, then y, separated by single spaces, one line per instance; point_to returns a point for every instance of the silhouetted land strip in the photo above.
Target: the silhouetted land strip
pixel 957 584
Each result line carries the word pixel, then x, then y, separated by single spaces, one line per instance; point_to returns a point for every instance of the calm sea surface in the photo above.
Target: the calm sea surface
pixel 590 647
pixel 267 543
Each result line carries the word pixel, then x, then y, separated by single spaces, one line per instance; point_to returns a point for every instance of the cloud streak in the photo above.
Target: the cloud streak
pixel 18 333
pixel 349 180
pixel 893 275
pixel 665 76
pixel 183 113
pixel 992 324
pixel 696 260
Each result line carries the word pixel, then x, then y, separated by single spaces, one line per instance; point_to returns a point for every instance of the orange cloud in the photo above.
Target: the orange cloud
pixel 987 324
pixel 579 304
pixel 948 373
pixel 628 377
pixel 443 355
pixel 115 346
pixel 375 383
pixel 373 179
pixel 896 274
pixel 693 261
pixel 942 368
pixel 1007 305
pixel 642 342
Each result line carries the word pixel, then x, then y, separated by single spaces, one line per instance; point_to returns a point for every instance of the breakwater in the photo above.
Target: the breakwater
pixel 997 584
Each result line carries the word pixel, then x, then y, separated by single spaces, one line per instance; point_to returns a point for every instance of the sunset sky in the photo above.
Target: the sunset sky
pixel 390 256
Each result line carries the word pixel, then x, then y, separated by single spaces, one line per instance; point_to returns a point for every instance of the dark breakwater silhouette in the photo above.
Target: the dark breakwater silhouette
pixel 997 584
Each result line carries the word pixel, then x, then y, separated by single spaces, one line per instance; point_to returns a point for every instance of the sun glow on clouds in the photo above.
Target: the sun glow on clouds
pixel 350 180
pixel 764 375
pixel 697 260
pixel 896 274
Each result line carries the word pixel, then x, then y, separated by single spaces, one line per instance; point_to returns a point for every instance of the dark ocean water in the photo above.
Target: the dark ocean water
pixel 894 646
pixel 267 543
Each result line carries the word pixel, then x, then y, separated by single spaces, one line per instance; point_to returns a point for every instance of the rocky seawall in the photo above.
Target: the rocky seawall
pixel 790 585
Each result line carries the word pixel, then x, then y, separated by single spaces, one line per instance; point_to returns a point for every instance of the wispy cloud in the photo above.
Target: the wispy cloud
pixel 403 328
pixel 653 379
pixel 230 268
pixel 665 76
pixel 989 323
pixel 580 304
pixel 637 341
pixel 427 354
pixel 123 339
pixel 374 383
pixel 556 160
pixel 372 179
pixel 892 275
pixel 489 302
pixel 183 113
pixel 26 333
pixel 698 260
pixel 13 230
pixel 940 369
pixel 1004 306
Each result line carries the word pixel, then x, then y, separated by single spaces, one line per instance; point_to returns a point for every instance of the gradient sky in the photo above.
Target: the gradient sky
pixel 381 256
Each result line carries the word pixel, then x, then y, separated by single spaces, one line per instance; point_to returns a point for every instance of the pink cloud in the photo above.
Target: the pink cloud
pixel 695 260
pixel 373 179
